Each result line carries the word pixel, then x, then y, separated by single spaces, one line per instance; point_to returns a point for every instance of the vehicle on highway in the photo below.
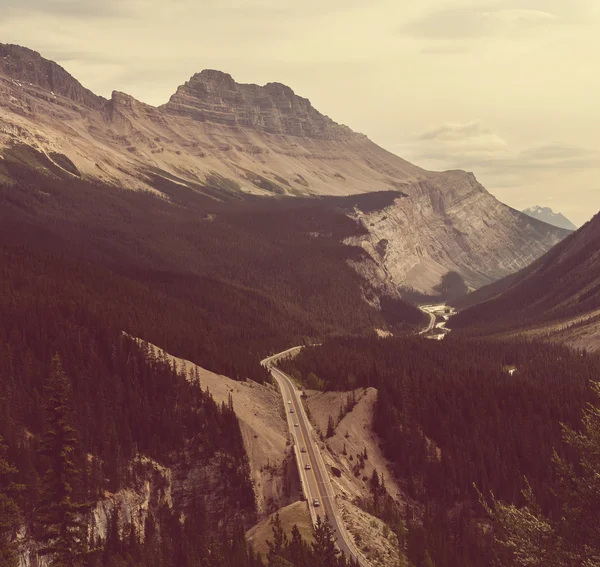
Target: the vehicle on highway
pixel 303 450
pixel 296 424
pixel 290 402
pixel 292 410
pixel 316 502
pixel 307 466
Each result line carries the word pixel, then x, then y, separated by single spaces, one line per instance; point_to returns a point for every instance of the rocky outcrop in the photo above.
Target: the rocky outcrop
pixel 461 228
pixel 213 96
pixel 29 68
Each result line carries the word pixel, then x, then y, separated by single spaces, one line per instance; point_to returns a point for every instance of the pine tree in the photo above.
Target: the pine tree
pixel 324 550
pixel 59 514
pixel 9 511
pixel 279 543
pixel 374 482
pixel 527 537
pixel 330 427
pixel 298 548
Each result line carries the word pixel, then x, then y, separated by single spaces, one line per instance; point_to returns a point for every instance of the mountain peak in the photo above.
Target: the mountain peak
pixel 547 215
pixel 29 68
pixel 214 96
pixel 213 75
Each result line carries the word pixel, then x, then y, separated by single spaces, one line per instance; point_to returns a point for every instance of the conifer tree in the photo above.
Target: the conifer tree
pixel 297 548
pixel 330 427
pixel 279 543
pixel 60 516
pixel 527 537
pixel 324 550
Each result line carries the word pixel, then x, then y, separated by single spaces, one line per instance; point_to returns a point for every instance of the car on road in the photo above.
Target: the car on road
pixel 307 466
pixel 316 502
pixel 291 410
pixel 303 450
pixel 290 402
pixel 296 424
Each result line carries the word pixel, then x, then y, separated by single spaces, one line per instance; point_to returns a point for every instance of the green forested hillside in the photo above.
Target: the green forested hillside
pixel 218 282
pixel 62 351
pixel 453 420
pixel 78 395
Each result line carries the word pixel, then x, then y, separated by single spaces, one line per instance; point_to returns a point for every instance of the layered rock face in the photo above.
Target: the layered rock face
pixel 213 96
pixel 30 69
pixel 266 140
pixel 462 228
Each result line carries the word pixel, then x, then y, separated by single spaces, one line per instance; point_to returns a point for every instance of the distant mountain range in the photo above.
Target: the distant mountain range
pixel 556 298
pixel 547 215
pixel 219 141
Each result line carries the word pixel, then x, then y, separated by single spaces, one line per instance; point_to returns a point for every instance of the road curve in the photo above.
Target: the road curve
pixel 431 323
pixel 316 482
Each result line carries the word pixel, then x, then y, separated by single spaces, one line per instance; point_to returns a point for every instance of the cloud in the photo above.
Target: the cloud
pixel 557 174
pixel 233 9
pixel 557 156
pixel 472 146
pixel 70 8
pixel 454 145
pixel 517 15
pixel 446 49
pixel 496 18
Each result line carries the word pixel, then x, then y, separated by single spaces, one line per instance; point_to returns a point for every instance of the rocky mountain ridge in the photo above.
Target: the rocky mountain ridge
pixel 464 232
pixel 29 67
pixel 213 96
pixel 217 139
pixel 547 215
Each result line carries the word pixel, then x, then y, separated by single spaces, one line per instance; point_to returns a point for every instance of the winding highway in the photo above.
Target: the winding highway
pixel 316 484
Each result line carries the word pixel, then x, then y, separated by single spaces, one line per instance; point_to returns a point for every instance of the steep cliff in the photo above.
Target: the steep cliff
pixel 29 68
pixel 461 228
pixel 213 96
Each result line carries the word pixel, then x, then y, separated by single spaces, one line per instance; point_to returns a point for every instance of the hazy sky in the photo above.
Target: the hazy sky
pixel 509 89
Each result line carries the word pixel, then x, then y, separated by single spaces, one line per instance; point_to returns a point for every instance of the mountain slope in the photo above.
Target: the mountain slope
pixel 216 140
pixel 546 214
pixel 559 293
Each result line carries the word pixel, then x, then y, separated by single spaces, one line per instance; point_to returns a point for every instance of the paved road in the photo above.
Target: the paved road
pixel 316 481
pixel 431 323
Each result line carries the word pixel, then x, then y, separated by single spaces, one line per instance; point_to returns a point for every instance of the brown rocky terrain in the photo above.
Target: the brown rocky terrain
pixel 353 434
pixel 266 140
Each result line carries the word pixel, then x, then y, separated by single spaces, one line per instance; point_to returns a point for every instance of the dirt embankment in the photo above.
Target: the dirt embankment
pixel 344 450
pixel 296 513
pixel 352 435
pixel 262 421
